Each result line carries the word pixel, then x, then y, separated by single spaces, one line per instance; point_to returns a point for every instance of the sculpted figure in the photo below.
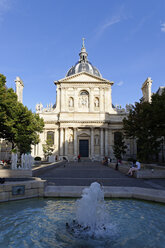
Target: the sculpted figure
pixel 39 107
pixel 71 102
pixel 96 102
pixel 96 140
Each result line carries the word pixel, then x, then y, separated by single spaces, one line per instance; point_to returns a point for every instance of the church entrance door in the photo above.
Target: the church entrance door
pixel 84 148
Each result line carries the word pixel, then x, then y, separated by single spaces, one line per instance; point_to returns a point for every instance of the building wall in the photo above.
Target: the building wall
pixel 83 111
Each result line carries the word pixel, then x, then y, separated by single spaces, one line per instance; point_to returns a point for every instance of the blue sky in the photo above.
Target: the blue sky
pixel 41 39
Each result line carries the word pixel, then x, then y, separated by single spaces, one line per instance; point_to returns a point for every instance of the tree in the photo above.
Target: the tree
pixel 2 105
pixel 119 147
pixel 158 115
pixel 47 148
pixel 146 122
pixel 28 128
pixel 18 125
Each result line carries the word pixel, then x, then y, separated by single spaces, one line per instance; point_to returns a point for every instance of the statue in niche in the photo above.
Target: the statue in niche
pixel 71 138
pixel 96 140
pixel 71 102
pixel 96 102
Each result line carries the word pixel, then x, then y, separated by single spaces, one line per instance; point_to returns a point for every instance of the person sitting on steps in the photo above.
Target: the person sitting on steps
pixel 105 161
pixel 136 166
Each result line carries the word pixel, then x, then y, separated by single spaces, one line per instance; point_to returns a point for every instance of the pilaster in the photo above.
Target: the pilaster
pixel 75 99
pixel 66 141
pixel 58 98
pixel 101 100
pixel 92 142
pixel 101 142
pixel 75 142
pixel 91 109
pixel 106 141
pixel 61 141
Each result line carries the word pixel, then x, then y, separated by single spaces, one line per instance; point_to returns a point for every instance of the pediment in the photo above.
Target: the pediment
pixel 83 135
pixel 84 77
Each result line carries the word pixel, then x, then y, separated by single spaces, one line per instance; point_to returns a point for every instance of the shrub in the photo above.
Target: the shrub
pixel 130 159
pixel 37 158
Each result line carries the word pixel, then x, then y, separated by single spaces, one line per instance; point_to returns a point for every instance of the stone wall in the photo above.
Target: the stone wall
pixel 146 171
pixel 21 189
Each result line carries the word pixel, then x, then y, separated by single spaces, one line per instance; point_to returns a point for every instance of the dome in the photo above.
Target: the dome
pixel 83 65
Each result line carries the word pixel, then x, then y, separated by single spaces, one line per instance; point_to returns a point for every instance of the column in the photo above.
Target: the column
pixel 92 142
pixel 57 138
pixel 101 142
pixel 111 142
pixel 106 142
pixel 75 142
pixel 66 142
pixel 61 140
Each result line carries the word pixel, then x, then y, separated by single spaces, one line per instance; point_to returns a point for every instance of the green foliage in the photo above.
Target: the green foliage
pixel 18 125
pixel 119 146
pixel 130 159
pixel 146 123
pixel 47 148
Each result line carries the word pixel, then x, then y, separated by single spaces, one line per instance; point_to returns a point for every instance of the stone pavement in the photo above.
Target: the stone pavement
pixel 84 173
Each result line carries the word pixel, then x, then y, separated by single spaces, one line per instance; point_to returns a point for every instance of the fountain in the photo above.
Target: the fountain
pixel 89 222
pixel 91 216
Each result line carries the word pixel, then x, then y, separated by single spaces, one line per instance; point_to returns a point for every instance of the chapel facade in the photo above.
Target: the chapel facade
pixel 83 120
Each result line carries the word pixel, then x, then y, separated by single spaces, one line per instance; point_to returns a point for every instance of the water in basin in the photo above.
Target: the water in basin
pixel 41 222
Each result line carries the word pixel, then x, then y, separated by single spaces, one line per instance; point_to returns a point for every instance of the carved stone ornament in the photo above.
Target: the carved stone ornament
pixel 71 102
pixel 96 103
pixel 83 101
pixel 39 107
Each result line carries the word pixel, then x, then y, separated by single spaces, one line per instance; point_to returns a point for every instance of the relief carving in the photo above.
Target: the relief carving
pixel 83 101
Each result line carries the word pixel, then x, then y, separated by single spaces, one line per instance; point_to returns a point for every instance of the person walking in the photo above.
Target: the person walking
pixel 79 158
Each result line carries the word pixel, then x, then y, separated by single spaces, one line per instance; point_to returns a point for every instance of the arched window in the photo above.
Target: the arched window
pixel 84 92
pixel 50 137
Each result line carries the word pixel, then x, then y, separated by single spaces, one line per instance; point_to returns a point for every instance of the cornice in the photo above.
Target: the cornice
pixel 81 82
pixel 74 121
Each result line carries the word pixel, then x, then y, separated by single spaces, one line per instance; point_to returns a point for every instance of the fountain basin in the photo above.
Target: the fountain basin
pixel 109 191
pixel 42 223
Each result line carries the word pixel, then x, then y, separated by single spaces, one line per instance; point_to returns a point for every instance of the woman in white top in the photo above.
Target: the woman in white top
pixel 131 170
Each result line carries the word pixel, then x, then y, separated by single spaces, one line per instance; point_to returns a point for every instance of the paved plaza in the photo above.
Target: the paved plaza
pixel 84 173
